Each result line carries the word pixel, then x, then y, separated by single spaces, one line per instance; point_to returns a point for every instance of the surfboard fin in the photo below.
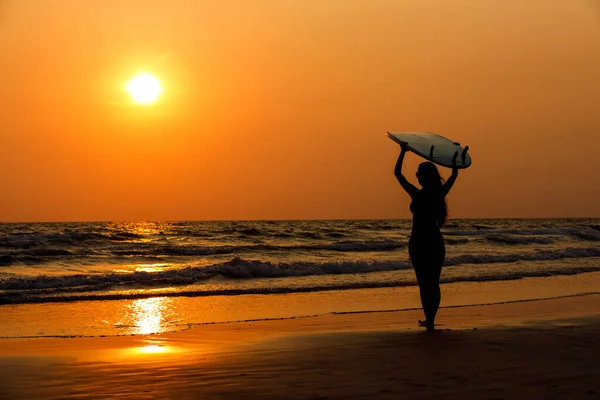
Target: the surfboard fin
pixel 431 151
pixel 464 154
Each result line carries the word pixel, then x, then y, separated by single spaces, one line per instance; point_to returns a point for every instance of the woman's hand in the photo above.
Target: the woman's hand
pixel 404 147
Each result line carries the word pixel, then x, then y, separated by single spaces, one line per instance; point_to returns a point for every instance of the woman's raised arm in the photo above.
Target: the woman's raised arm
pixel 406 185
pixel 450 182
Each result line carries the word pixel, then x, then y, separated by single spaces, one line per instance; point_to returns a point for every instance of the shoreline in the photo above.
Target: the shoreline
pixel 300 317
pixel 170 314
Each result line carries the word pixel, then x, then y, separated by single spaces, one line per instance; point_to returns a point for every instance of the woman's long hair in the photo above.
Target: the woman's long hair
pixel 432 182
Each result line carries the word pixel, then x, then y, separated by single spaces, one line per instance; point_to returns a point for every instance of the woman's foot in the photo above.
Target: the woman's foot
pixel 429 325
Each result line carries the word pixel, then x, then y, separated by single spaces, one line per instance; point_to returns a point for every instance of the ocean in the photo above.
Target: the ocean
pixel 68 262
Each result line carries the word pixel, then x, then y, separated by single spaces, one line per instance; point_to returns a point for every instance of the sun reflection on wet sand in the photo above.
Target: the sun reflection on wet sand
pixel 153 349
pixel 149 351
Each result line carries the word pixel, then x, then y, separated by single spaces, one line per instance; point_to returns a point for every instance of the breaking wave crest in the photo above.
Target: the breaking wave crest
pixel 585 233
pixel 71 296
pixel 42 255
pixel 239 268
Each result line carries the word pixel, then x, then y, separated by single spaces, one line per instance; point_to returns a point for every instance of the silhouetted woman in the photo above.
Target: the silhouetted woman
pixel 426 243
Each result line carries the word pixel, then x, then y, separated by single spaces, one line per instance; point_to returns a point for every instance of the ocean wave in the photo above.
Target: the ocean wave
pixel 590 236
pixel 250 232
pixel 544 255
pixel 508 239
pixel 456 240
pixel 375 245
pixel 52 254
pixel 29 240
pixel 37 297
pixel 335 234
pixel 594 227
pixel 239 268
pixel 34 256
pixel 7 259
pixel 583 233
pixel 480 227
pixel 345 246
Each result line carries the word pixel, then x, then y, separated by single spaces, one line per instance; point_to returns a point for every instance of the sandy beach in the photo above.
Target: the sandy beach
pixel 546 349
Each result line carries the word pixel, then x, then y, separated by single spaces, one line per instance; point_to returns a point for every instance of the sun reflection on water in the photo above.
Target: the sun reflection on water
pixel 139 232
pixel 156 267
pixel 149 315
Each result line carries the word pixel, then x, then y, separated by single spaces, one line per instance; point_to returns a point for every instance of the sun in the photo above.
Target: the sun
pixel 144 88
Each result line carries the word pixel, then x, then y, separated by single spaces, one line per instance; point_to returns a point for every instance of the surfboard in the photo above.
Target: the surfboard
pixel 433 147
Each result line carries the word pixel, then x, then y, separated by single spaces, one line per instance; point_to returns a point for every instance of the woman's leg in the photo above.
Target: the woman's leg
pixel 423 279
pixel 433 293
pixel 430 298
pixel 428 269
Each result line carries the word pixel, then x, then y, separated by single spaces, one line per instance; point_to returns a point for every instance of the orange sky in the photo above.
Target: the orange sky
pixel 278 109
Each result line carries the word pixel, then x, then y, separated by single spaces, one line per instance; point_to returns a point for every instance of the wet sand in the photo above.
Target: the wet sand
pixel 544 349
